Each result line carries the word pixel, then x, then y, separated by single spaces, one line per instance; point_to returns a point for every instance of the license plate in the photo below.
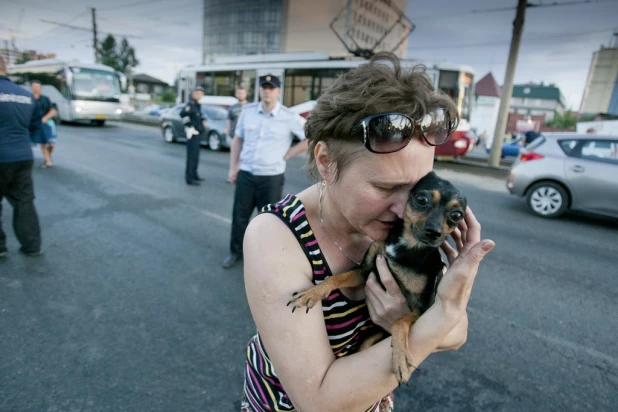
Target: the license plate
pixel 99 116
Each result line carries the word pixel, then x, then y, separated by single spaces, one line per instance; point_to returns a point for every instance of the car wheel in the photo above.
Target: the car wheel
pixel 100 122
pixel 548 199
pixel 168 135
pixel 214 142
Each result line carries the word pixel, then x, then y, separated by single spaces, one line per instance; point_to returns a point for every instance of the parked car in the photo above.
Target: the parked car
pixel 509 149
pixel 571 171
pixel 214 137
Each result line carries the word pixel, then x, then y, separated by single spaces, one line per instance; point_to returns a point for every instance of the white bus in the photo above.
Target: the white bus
pixel 305 76
pixel 81 91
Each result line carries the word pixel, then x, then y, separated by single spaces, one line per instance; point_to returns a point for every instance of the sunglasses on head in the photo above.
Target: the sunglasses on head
pixel 391 132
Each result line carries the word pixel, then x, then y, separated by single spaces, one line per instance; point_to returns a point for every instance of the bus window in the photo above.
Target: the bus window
pixel 448 83
pixel 225 83
pixel 302 85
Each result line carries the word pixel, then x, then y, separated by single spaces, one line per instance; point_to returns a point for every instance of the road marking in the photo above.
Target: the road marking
pixel 204 212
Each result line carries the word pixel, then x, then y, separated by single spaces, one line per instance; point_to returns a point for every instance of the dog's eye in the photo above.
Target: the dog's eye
pixel 422 200
pixel 456 215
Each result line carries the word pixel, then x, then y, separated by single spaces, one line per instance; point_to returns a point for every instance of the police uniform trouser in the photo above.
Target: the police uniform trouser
pixel 193 158
pixel 17 186
pixel 252 191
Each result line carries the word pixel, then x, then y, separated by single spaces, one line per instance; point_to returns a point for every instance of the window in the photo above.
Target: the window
pixel 567 146
pixel 526 90
pixel 603 150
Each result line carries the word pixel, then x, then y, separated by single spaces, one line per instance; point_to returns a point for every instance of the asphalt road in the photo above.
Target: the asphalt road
pixel 128 310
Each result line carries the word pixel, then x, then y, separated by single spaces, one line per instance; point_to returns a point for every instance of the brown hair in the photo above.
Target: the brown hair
pixel 371 88
pixel 2 66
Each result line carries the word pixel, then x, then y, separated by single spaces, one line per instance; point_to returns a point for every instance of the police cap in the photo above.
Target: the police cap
pixel 270 80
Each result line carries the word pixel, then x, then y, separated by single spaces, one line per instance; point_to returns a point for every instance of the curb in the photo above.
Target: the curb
pixel 464 165
pixel 473 168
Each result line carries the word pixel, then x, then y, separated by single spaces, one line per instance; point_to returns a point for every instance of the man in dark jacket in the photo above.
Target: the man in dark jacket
pixel 20 118
pixel 194 128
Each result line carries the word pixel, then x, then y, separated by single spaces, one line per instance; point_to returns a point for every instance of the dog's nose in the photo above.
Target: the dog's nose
pixel 432 234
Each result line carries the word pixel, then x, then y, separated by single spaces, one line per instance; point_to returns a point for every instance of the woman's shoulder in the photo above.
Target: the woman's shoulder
pixel 269 242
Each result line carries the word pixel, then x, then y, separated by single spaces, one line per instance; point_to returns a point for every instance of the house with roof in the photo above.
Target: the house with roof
pixel 485 107
pixel 146 84
pixel 532 105
pixel 533 99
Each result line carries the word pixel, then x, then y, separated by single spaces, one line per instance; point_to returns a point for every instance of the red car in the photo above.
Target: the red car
pixel 460 143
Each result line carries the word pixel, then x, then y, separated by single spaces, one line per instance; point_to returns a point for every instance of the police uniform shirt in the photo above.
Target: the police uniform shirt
pixel 267 138
pixel 20 119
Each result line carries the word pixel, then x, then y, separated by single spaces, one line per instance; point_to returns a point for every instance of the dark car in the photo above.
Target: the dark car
pixel 214 137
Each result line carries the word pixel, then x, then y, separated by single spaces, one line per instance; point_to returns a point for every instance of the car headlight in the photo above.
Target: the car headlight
pixel 118 111
pixel 78 109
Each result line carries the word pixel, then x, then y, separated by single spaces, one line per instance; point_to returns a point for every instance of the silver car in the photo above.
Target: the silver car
pixel 173 128
pixel 568 171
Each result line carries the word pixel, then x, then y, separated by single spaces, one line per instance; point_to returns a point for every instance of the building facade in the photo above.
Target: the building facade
pixel 533 99
pixel 237 27
pixel 601 92
pixel 485 107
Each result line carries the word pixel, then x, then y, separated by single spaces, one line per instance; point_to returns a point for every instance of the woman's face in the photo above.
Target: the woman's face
pixel 373 190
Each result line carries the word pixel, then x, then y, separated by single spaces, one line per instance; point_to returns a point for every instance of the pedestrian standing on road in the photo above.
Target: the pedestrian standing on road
pixel 368 146
pixel 234 111
pixel 260 148
pixel 47 136
pixel 20 120
pixel 195 126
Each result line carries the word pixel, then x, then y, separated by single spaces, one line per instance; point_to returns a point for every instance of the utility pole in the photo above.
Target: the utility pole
pixel 507 88
pixel 95 44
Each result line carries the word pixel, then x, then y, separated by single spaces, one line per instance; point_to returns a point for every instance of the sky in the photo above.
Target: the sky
pixel 557 44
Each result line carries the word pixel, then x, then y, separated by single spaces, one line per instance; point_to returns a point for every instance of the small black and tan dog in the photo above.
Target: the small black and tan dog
pixel 434 209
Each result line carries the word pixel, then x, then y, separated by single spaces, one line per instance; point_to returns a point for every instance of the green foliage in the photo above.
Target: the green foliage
pixel 22 58
pixel 120 57
pixel 563 121
pixel 168 96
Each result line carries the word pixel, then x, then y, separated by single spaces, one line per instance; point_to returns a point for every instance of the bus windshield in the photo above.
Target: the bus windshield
pixel 90 84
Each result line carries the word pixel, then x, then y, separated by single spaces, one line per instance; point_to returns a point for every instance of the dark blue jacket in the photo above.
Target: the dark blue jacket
pixel 192 116
pixel 20 118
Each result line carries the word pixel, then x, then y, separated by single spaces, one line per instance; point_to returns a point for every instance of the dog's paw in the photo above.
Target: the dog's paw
pixel 402 364
pixel 308 298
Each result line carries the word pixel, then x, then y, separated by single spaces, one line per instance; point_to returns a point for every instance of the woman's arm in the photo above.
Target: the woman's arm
pixel 297 343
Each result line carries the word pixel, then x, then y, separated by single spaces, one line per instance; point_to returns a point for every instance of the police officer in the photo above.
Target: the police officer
pixel 194 128
pixel 261 145
pixel 20 119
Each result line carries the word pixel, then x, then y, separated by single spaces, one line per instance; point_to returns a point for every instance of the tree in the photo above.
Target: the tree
pixel 120 57
pixel 168 96
pixel 22 58
pixel 563 121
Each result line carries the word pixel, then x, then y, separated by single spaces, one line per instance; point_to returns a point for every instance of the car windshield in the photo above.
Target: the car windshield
pixel 89 84
pixel 214 113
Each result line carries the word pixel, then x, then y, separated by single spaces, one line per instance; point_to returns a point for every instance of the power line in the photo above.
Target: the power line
pixel 55 28
pixel 537 39
pixel 510 8
pixel 89 29
pixel 137 3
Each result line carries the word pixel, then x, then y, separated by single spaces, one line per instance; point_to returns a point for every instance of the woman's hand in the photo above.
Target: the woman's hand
pixel 456 286
pixel 385 306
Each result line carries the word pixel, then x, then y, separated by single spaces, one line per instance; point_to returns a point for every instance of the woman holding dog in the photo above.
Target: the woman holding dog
pixel 372 137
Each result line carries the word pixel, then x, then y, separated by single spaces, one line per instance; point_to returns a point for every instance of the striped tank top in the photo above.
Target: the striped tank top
pixel 347 322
